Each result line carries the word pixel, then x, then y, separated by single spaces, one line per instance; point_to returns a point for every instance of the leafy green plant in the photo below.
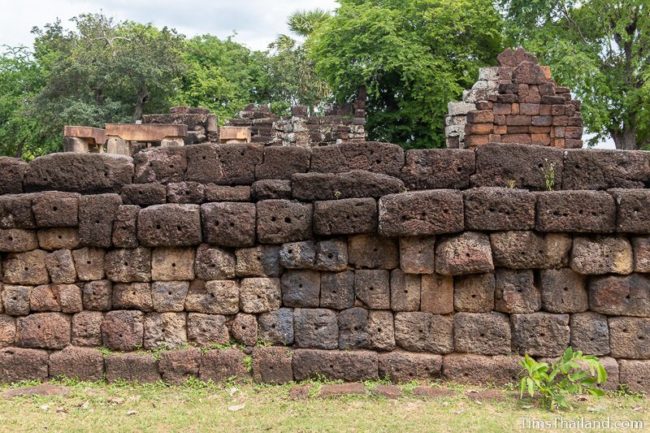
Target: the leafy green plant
pixel 549 174
pixel 572 374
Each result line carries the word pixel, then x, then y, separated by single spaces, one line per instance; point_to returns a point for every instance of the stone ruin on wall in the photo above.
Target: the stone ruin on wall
pixel 515 102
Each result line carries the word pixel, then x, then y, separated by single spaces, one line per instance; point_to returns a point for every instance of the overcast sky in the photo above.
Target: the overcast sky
pixel 257 22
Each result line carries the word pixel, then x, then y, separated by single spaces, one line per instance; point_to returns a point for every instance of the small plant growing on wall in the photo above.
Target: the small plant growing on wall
pixel 572 374
pixel 548 169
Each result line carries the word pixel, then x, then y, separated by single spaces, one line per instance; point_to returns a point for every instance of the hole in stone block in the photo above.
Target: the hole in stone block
pixel 273 219
pixel 179 228
pixel 54 208
pixel 157 226
pixel 287 220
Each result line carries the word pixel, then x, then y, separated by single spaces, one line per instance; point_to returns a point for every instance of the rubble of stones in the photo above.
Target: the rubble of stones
pixel 201 124
pixel 355 261
pixel 516 102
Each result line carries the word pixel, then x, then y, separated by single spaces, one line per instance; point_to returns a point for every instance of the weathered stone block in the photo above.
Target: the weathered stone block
pixel 370 155
pixel 298 255
pixel 177 366
pixel 128 265
pixel 280 221
pixel 17 240
pixel 372 288
pixel 424 332
pixel 499 209
pixel 482 333
pixel 635 374
pixel 367 251
pixel 353 328
pixel 69 296
pixel 125 234
pixel 259 295
pixel 222 365
pixel 7 330
pixel 16 211
pixel 615 295
pixel 43 298
pixel 563 291
pixel 601 255
pixel 421 213
pixel 60 266
pixel 316 328
pixel 281 162
pixel 628 337
pixel 276 327
pixel 437 294
pixel 404 291
pixel 227 193
pixel 18 364
pixel 399 366
pixel 576 211
pixel 43 331
pixel 605 169
pixel 146 194
pixel 56 209
pixel 346 216
pixel 96 216
pixel 301 288
pixel 331 255
pixel 337 290
pixel 97 295
pixel 480 369
pixel 123 330
pixel 207 329
pixel 169 225
pixel 26 268
pixel 516 292
pixel 474 293
pixel 214 263
pixel 16 300
pixel 132 367
pixel 353 366
pixel 353 184
pixel 86 328
pixel 540 334
pixel 185 192
pixel 270 189
pixel 259 261
pixel 381 330
pixel 13 170
pixel 272 365
pixel 590 333
pixel 132 296
pixel 172 264
pixel 243 329
pixel 633 213
pixel 160 164
pixel 529 250
pixel 213 297
pixel 164 330
pixel 438 168
pixel 468 253
pixel 169 296
pixel 229 224
pixel 58 239
pixel 77 363
pixel 416 255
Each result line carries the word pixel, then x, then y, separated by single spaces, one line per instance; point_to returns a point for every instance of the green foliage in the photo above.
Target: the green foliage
pixel 599 48
pixel 572 374
pixel 413 57
pixel 304 23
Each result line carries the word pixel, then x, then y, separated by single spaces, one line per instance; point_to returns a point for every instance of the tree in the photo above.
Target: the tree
pixel 413 57
pixel 599 48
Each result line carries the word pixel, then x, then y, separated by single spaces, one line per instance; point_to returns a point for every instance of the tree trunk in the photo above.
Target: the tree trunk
pixel 143 96
pixel 626 139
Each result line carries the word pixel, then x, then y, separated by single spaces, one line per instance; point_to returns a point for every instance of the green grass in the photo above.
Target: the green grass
pixel 204 407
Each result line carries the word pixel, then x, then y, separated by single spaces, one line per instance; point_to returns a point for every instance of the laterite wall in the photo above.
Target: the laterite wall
pixel 354 261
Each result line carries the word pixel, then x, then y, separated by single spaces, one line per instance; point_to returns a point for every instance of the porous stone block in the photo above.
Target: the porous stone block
pixel 633 213
pixel 628 337
pixel 474 293
pixel 145 194
pixel 301 288
pixel 424 332
pixel 169 225
pixel 96 216
pixel 222 365
pixel 160 164
pixel 43 298
pixel 370 155
pixel 97 295
pixel 298 255
pixel 641 246
pixel 437 294
pixel 276 327
pixel 16 211
pixel 125 234
pixel 79 363
pixel 214 297
pixel 213 263
pixel 404 291
pixel 352 366
pixel 605 169
pixel 516 292
pixel 335 186
pixel 185 192
pixel 16 300
pixel 207 329
pixel 259 261
pixel 617 295
pixel 172 264
pixel 576 211
pixel 132 367
pixel 26 268
pixel 563 291
pixel 7 330
pixel 128 265
pixel 635 374
pixel 18 364
pixel 226 164
pixel 438 168
pixel 381 330
pixel 177 366
pixel 58 239
pixel 229 224
pixel 590 333
pixel 60 267
pixel 270 189
pixel 227 193
pixel 169 296
pixel 421 213
pixel 367 251
pixel 280 221
pixel 601 255
pixel 272 365
pixel 164 330
pixel 56 209
pixel 331 255
pixel 416 255
pixel 519 165
pixel 43 331
pixel 132 296
pixel 13 170
pixel 481 369
pixel 372 288
pixel 123 330
pixel 315 328
pixel 345 217
pixel 337 290
pixel 17 240
pixel 540 334
pixel 280 162
pixel 86 328
pixel 499 209
pixel 353 328
pixel 243 329
pixel 69 297
pixel 530 250
pixel 482 333
pixel 468 253
pixel 259 295
pixel 399 366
